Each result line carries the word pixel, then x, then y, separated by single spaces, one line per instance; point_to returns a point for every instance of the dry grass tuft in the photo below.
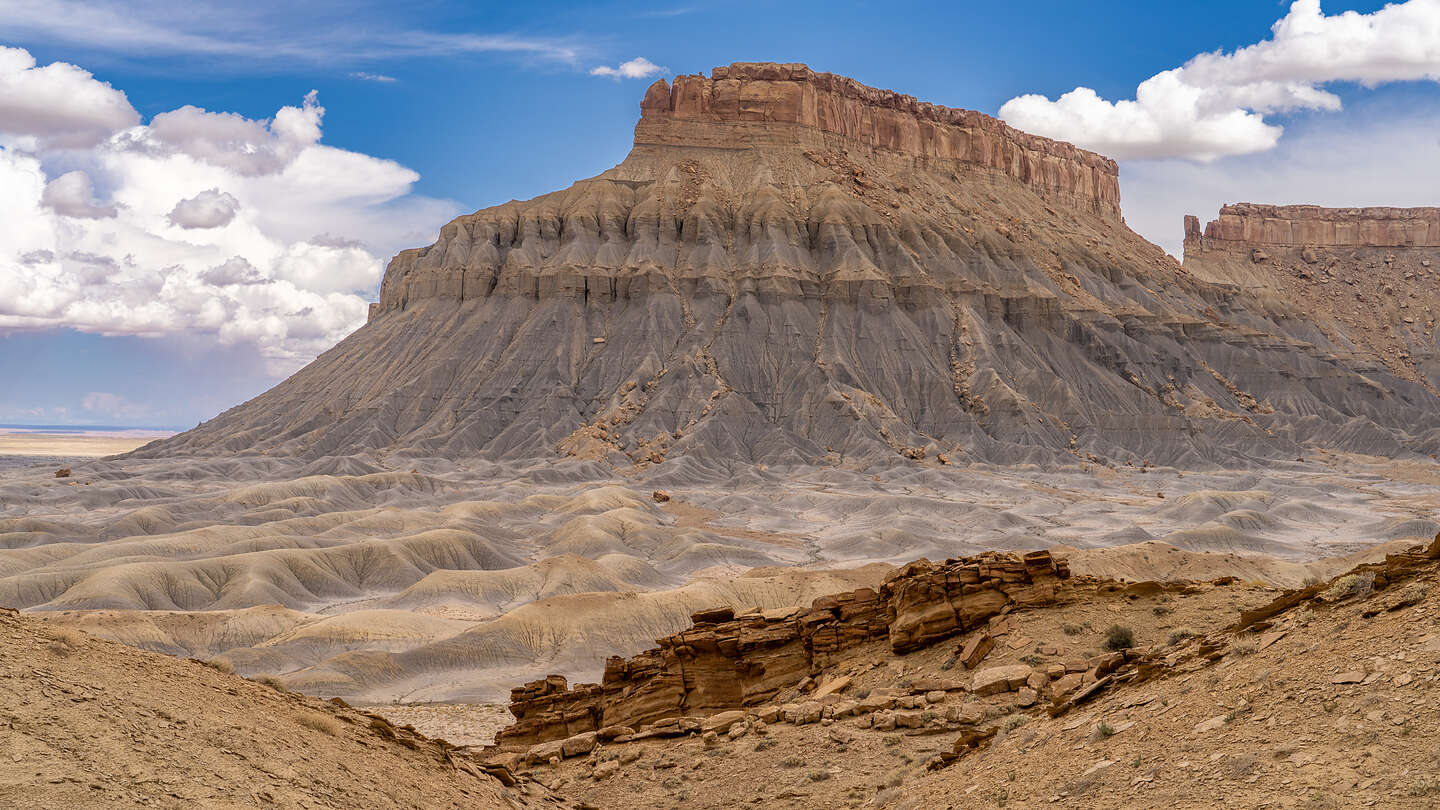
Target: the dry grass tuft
pixel 1360 584
pixel 273 683
pixel 220 666
pixel 64 640
pixel 320 722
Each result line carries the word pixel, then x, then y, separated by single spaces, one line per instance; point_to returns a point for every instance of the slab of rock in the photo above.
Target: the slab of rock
pixel 721 723
pixel 1000 679
pixel 976 649
pixel 578 745
pixel 831 686
pixel 1354 676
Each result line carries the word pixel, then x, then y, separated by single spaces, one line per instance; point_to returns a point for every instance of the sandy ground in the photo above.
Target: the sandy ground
pixel 90 444
pixel 401 580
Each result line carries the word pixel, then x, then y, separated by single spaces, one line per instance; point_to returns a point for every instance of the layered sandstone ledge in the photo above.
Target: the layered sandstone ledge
pixel 750 103
pixel 1256 226
pixel 728 661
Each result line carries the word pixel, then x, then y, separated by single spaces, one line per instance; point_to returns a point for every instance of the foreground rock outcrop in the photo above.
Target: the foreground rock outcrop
pixel 792 267
pixel 727 661
pixel 1116 695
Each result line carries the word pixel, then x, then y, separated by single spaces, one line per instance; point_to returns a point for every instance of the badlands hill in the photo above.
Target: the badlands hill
pixel 791 267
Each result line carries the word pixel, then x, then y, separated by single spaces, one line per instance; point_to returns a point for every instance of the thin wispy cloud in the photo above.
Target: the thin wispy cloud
pixel 637 68
pixel 373 77
pixel 262 33
pixel 1215 104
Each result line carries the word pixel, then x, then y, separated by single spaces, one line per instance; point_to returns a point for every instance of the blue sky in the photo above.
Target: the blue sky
pixel 427 109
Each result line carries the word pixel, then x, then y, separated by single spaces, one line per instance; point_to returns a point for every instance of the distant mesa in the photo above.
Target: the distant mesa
pixel 791 267
pixel 1366 275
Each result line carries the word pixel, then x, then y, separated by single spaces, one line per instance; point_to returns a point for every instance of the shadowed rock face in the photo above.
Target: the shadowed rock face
pixel 791 267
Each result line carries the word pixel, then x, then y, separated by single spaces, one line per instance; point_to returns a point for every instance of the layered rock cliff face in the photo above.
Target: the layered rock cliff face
pixel 1367 276
pixel 727 661
pixel 791 267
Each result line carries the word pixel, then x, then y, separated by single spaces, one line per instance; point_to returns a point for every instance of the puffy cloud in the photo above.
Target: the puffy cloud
pixel 244 146
pixel 637 68
pixel 210 208
pixel 72 195
pixel 1215 105
pixel 305 230
pixel 59 105
pixel 234 271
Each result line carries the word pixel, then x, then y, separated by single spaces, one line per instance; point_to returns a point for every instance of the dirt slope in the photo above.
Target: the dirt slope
pixel 86 723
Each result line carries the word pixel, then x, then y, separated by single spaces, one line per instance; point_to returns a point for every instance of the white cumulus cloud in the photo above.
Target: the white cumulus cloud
pixel 58 105
pixel 210 208
pixel 205 224
pixel 1215 104
pixel 72 195
pixel 637 68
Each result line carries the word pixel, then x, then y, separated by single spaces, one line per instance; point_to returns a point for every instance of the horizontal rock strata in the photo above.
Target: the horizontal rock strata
pixel 728 662
pixel 757 102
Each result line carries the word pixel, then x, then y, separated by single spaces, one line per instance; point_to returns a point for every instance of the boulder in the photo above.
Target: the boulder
pixel 721 723
pixel 579 744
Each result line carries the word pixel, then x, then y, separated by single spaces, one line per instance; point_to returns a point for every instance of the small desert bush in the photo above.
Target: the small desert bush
pixel 1072 629
pixel 1105 729
pixel 792 762
pixel 819 776
pixel 1351 585
pixel 1414 592
pixel 323 723
pixel 220 666
pixel 892 739
pixel 64 641
pixel 766 744
pixel 273 683
pixel 1424 787
pixel 1162 610
pixel 1178 635
pixel 1013 722
pixel 1245 646
pixel 1119 637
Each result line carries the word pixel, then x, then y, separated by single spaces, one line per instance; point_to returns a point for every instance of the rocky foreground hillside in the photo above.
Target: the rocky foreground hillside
pixel 1003 682
pixel 791 267
pixel 87 723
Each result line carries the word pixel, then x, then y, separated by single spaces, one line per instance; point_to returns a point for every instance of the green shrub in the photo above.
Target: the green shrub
pixel 1119 637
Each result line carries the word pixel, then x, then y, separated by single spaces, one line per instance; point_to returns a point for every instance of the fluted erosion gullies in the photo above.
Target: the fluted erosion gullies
pixel 1368 276
pixel 728 662
pixel 793 268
